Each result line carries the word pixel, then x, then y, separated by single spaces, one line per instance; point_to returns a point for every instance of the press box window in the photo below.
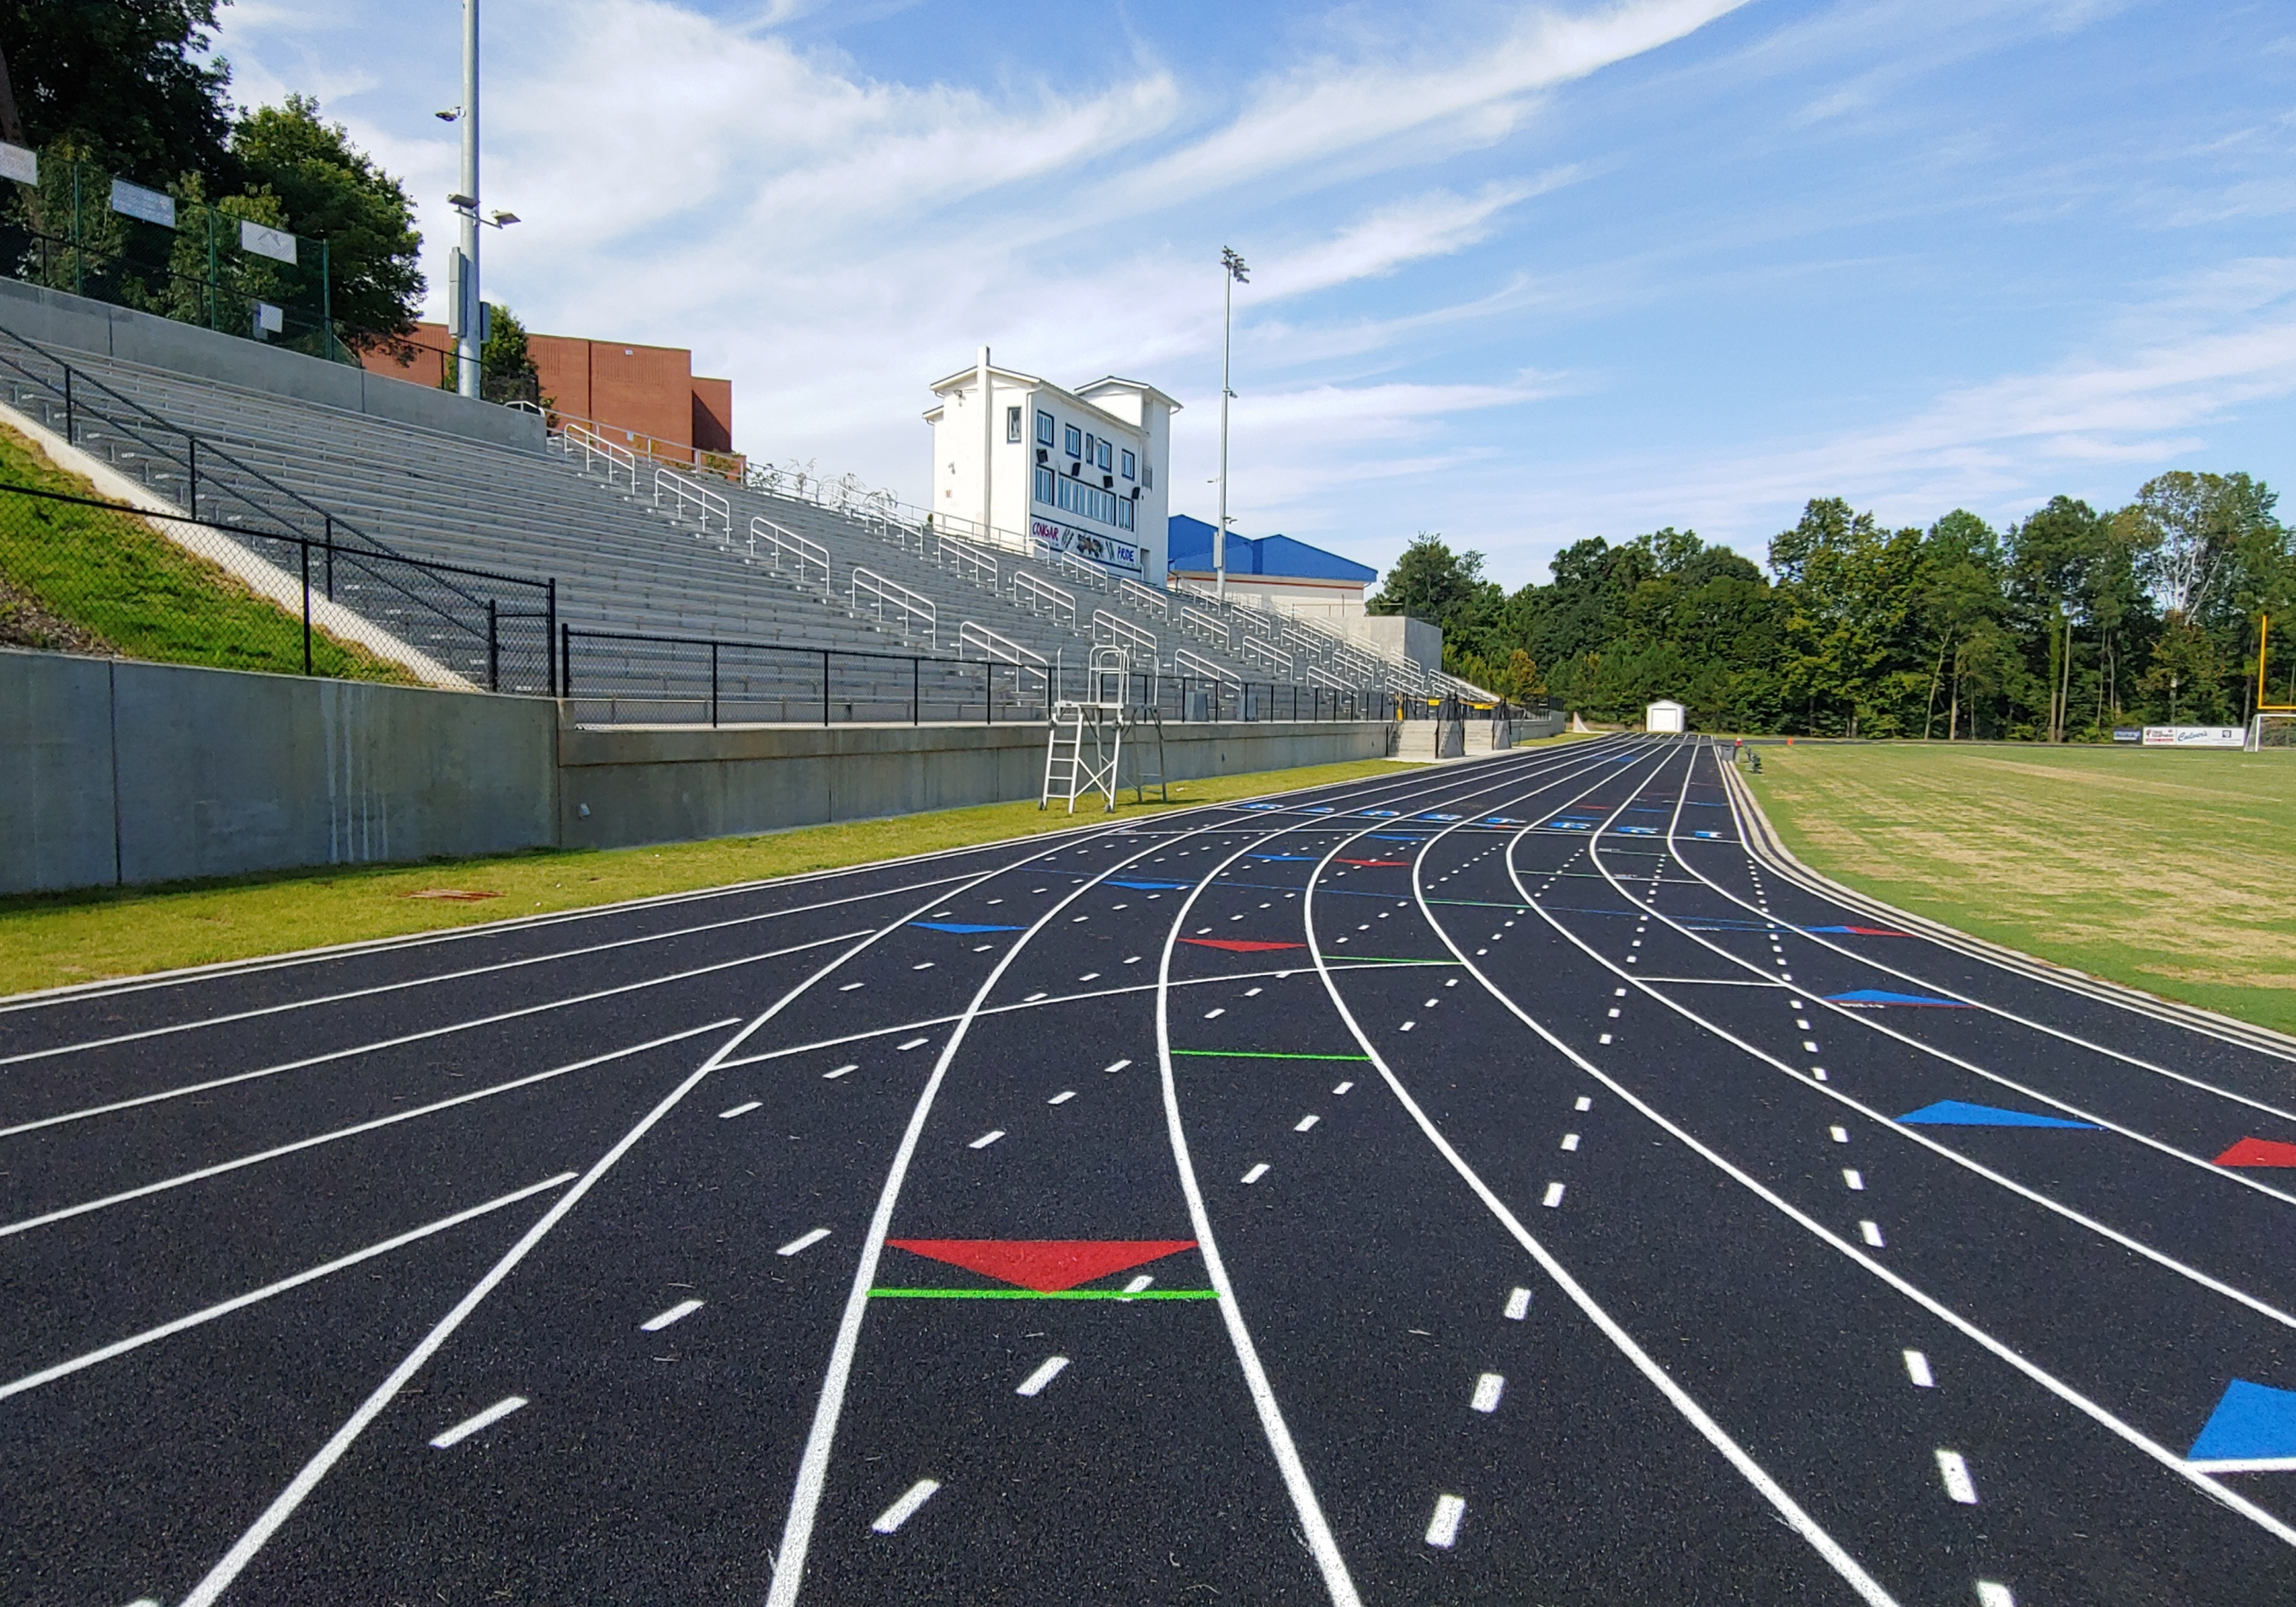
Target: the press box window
pixel 1075 441
pixel 1128 465
pixel 1105 449
pixel 1045 490
pixel 1043 430
pixel 1012 423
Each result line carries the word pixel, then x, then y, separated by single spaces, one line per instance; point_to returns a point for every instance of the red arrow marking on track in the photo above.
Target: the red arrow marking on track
pixel 1046 1266
pixel 1241 946
pixel 1397 864
pixel 2259 1151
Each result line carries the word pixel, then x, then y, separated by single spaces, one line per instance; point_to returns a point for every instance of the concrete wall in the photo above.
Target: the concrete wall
pixel 71 323
pixel 122 773
pixel 1399 635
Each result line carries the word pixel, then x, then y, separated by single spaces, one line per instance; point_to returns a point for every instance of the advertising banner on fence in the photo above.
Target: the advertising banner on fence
pixel 2195 737
pixel 1054 536
pixel 153 206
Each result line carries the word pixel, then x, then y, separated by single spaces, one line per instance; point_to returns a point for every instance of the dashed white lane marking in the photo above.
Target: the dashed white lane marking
pixel 833 1073
pixel 1872 1231
pixel 1304 1122
pixel 1063 1097
pixel 1138 1284
pixel 469 1426
pixel 1840 1134
pixel 1917 1368
pixel 1614 1013
pixel 1584 1103
pixel 1256 1173
pixel 803 1243
pixel 1342 1088
pixel 1955 1470
pixel 1571 1140
pixel 1443 1527
pixel 1033 997
pixel 1991 1593
pixel 1116 1065
pixel 742 1109
pixel 1092 976
pixel 1407 1026
pixel 986 1139
pixel 1253 993
pixel 924 965
pixel 1518 1306
pixel 1855 1178
pixel 1606 1037
pixel 1553 1196
pixel 849 986
pixel 1808 1046
pixel 676 1314
pixel 916 1043
pixel 916 1496
pixel 1818 1072
pixel 1036 1381
pixel 1488 1389
pixel 1213 1015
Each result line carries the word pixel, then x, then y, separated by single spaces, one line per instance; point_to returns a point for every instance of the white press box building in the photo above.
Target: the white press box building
pixel 1081 471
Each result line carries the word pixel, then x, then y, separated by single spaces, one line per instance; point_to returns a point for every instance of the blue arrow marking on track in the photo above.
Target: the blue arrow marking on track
pixel 1704 833
pixel 1310 859
pixel 2253 1422
pixel 1439 817
pixel 1875 996
pixel 1379 813
pixel 1318 809
pixel 1639 831
pixel 1147 887
pixel 1390 837
pixel 1263 805
pixel 1960 1113
pixel 962 927
pixel 1572 825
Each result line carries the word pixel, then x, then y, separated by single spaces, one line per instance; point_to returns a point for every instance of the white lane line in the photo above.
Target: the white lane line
pixel 676 1314
pixel 411 1037
pixel 1138 1284
pixel 741 1110
pixel 803 1243
pixel 1571 1140
pixel 1488 1389
pixel 33 1381
pixel 1063 1097
pixel 1553 1196
pixel 2244 1465
pixel 1854 1178
pixel 1917 1368
pixel 1036 1381
pixel 1518 1306
pixel 1871 1231
pixel 1953 1469
pixel 914 1043
pixel 986 1139
pixel 1342 1088
pixel 1443 1527
pixel 1033 997
pixel 1304 1122
pixel 1213 1015
pixel 469 1426
pixel 1991 1593
pixel 916 1496
pixel 849 986
pixel 835 1072
pixel 221 1167
pixel 1116 1065
pixel 924 965
pixel 1256 1173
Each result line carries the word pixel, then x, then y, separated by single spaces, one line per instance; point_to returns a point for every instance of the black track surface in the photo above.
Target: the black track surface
pixel 1526 1085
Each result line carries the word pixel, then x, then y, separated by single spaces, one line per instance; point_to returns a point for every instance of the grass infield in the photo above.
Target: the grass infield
pixel 2167 871
pixel 53 940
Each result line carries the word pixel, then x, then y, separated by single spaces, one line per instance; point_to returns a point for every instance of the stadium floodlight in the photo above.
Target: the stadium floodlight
pixel 502 220
pixel 449 115
pixel 463 203
pixel 1233 272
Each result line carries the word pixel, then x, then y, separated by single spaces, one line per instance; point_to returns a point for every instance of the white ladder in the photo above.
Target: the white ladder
pixel 1100 713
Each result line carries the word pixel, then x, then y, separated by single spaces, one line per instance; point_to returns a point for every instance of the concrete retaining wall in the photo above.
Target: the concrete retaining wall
pixel 70 323
pixel 127 774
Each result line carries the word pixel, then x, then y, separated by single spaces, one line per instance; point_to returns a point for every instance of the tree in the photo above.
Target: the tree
pixel 330 190
pixel 117 81
pixel 1431 582
pixel 506 370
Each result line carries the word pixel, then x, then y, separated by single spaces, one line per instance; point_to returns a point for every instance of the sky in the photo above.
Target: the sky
pixel 1520 275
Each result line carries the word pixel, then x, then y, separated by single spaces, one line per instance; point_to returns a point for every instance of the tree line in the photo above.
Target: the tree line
pixel 2064 625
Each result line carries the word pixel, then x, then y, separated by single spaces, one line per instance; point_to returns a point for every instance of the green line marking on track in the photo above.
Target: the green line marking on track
pixel 1042 1294
pixel 1263 1054
pixel 1395 959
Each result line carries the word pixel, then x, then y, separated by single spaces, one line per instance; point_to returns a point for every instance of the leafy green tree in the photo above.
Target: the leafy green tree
pixel 118 81
pixel 330 190
pixel 1444 588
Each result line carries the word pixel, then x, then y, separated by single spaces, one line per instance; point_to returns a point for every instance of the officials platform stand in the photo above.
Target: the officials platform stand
pixel 1101 718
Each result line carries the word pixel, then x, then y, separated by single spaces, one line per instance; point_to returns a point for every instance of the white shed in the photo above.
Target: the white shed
pixel 1665 714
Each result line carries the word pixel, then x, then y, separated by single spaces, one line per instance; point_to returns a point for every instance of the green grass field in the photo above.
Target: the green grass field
pixel 2166 871
pixel 50 941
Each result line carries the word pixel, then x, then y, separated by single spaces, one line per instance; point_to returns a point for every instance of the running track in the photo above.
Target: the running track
pixel 1492 1183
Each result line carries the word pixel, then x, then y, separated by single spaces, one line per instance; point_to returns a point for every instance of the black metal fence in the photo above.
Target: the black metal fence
pixel 82 575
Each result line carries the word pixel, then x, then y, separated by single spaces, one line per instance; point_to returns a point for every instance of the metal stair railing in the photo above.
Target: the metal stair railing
pixel 618 459
pixel 1252 647
pixel 1091 574
pixel 1043 597
pixel 1203 625
pixel 1154 602
pixel 685 494
pixel 910 610
pixel 965 563
pixel 1114 630
pixel 1190 663
pixel 787 547
pixel 999 649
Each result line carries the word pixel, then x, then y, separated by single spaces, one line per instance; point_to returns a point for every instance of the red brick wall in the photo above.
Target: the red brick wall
pixel 713 414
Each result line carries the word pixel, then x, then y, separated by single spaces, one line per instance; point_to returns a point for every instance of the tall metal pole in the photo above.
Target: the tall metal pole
pixel 1233 272
pixel 466 344
pixel 987 450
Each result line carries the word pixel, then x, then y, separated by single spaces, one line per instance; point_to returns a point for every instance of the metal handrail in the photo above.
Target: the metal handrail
pixel 686 493
pixel 1252 647
pixel 1114 630
pixel 1203 625
pixel 1043 597
pixel 1002 649
pixel 965 563
pixel 1155 602
pixel 908 605
pixel 1317 676
pixel 594 446
pixel 786 543
pixel 1091 574
pixel 1185 662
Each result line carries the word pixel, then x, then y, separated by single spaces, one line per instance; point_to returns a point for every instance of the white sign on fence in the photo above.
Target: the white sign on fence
pixel 2195 737
pixel 269 319
pixel 17 163
pixel 277 244
pixel 153 206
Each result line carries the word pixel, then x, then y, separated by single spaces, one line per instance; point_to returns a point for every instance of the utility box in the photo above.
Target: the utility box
pixel 1663 715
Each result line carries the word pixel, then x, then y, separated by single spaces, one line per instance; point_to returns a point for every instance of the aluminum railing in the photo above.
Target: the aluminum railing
pixel 1043 597
pixel 910 611
pixel 785 549
pixel 1154 602
pixel 999 649
pixel 1114 630
pixel 1252 647
pixel 1203 625
pixel 594 448
pixel 1187 663
pixel 685 494
pixel 965 563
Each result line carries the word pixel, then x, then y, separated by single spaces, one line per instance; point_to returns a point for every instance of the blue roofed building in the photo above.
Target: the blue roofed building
pixel 1287 577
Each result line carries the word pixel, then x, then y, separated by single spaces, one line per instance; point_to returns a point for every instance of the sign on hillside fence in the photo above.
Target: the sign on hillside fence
pixel 2195 737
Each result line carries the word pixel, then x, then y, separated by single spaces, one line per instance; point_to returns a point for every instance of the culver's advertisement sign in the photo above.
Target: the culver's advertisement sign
pixel 1054 536
pixel 2195 737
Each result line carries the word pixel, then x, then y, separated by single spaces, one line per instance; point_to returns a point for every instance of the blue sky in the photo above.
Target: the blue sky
pixel 1523 274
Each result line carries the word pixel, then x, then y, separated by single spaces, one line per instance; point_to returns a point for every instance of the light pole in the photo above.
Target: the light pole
pixel 467 336
pixel 1237 273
